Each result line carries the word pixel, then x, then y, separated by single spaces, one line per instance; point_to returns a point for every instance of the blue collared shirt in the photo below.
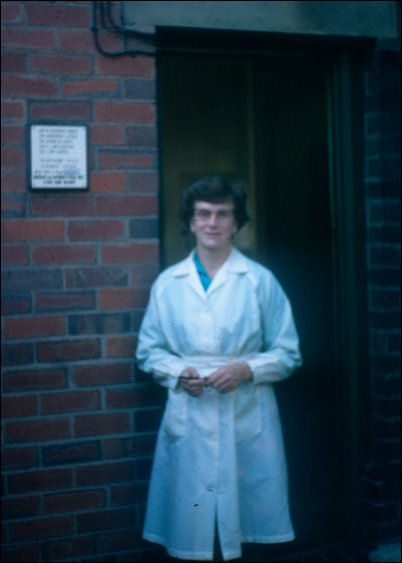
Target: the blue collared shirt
pixel 204 276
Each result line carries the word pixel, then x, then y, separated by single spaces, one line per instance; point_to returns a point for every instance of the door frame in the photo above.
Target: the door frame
pixel 346 134
pixel 345 142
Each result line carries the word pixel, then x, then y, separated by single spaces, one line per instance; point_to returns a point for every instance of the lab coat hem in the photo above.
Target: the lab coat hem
pixel 196 555
pixel 268 539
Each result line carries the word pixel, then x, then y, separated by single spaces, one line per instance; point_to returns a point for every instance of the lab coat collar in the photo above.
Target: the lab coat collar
pixel 235 263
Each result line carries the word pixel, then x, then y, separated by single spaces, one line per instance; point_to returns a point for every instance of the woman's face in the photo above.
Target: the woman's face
pixel 213 224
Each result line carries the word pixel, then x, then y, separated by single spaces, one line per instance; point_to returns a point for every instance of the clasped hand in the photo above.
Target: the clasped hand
pixel 223 379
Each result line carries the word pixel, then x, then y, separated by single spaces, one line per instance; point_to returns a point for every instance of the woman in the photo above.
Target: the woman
pixel 218 332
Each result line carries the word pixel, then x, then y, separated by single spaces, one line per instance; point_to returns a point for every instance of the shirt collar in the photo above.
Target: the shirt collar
pixel 236 262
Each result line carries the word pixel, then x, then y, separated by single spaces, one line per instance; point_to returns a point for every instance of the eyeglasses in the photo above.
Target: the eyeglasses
pixel 206 214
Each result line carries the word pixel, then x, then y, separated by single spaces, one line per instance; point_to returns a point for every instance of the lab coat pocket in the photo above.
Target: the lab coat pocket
pixel 174 419
pixel 247 407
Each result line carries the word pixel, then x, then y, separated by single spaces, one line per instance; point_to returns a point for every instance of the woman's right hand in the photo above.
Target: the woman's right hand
pixel 191 382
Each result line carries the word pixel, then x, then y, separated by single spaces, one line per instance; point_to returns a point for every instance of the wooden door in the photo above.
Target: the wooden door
pixel 264 121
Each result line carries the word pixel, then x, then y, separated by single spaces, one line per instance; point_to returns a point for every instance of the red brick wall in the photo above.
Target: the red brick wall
pixel 78 426
pixel 381 476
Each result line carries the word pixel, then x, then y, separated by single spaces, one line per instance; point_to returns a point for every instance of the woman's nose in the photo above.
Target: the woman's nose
pixel 213 219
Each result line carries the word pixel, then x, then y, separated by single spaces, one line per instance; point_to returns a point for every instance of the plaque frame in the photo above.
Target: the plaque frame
pixel 54 187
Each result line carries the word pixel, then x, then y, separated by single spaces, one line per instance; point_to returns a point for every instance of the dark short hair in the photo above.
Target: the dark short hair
pixel 214 189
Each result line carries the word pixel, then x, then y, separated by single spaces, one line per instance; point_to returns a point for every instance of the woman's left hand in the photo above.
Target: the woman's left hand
pixel 229 377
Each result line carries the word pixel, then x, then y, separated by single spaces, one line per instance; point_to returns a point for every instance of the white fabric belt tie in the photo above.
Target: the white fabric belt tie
pixel 205 365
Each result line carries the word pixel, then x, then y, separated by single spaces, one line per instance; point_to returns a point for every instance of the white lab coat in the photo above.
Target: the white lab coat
pixel 219 457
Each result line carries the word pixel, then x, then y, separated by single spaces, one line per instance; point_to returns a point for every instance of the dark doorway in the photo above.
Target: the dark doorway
pixel 265 121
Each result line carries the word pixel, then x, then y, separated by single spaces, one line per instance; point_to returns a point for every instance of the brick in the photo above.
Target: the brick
pixel 17 354
pixel 23 279
pixel 13 182
pixel 109 182
pixel 65 301
pixel 74 501
pixel 42 528
pixel 10 12
pixel 106 520
pixel 384 256
pixel 141 396
pixel 143 275
pixel 28 38
pixel 129 494
pixel 122 298
pixel 61 205
pixel 72 548
pixel 72 401
pixel 384 320
pixel 60 110
pixel 29 86
pixel 137 316
pixel 105 473
pixel 46 255
pixel 12 304
pixel 121 346
pixel 147 420
pixel 68 350
pixel 103 374
pixel 59 15
pixel 130 253
pixel 37 430
pixel 35 379
pixel 32 230
pixel 382 189
pixel 384 299
pixel 95 229
pixel 101 424
pixel 383 234
pixel 385 362
pixel 102 323
pixel 77 40
pixel 125 159
pixel 111 42
pixel 140 66
pixel 13 62
pixel 21 552
pixel 126 539
pixel 142 136
pixel 142 182
pixel 384 278
pixel 14 407
pixel 96 277
pixel 13 157
pixel 12 134
pixel 12 109
pixel 20 507
pixel 127 206
pixel 107 134
pixel 19 458
pixel 93 86
pixel 144 467
pixel 136 446
pixel 13 206
pixel 33 327
pixel 384 212
pixel 124 112
pixel 140 88
pixel 72 453
pixel 381 342
pixel 16 255
pixel 56 64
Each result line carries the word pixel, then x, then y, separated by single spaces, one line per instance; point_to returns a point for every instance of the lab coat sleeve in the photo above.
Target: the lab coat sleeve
pixel 153 353
pixel 280 355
